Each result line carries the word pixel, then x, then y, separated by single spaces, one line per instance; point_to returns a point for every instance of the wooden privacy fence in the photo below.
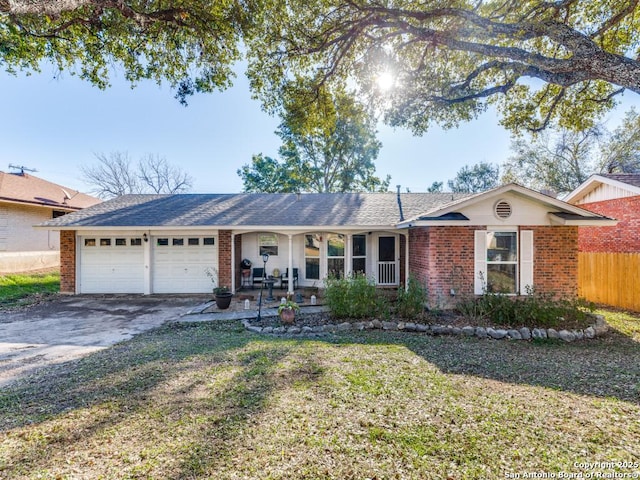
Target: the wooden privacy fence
pixel 610 278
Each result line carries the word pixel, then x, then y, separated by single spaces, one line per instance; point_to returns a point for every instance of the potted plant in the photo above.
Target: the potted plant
pixel 222 294
pixel 223 297
pixel 287 312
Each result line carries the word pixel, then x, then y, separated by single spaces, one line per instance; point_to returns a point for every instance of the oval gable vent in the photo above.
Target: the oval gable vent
pixel 503 209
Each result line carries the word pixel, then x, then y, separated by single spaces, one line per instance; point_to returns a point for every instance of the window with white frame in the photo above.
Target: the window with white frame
pixel 312 256
pixel 359 254
pixel 335 255
pixel 503 261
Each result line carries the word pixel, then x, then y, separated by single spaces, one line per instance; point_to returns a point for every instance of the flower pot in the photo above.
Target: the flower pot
pixel 223 300
pixel 288 316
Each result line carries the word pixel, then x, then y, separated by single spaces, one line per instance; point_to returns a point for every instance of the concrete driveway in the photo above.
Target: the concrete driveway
pixel 71 327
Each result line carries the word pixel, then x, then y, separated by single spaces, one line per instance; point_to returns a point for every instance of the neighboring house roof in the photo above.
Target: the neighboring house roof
pixel 622 185
pixel 254 209
pixel 308 210
pixel 27 189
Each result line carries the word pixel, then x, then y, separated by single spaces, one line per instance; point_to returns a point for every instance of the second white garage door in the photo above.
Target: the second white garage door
pixel 180 263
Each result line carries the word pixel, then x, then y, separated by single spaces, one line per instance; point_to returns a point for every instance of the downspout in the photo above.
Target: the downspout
pixel 400 204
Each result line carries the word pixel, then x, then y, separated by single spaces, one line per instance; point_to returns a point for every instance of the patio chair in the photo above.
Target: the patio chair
pixel 257 276
pixel 284 278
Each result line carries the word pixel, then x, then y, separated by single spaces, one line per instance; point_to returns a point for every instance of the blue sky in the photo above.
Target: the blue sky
pixel 55 123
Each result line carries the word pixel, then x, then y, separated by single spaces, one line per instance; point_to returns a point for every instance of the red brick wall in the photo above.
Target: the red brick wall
pixel 443 258
pixel 224 258
pixel 624 237
pixel 555 261
pixel 68 261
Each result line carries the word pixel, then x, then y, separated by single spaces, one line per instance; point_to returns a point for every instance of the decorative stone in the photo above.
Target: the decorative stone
pixel 481 332
pixel 376 323
pixel 497 334
pixel 600 321
pixel 331 328
pixel 410 326
pixel 422 328
pixel 368 325
pixel 456 330
pixel 389 325
pixel 267 330
pixel 294 330
pixel 468 331
pixel 401 325
pixel 438 329
pixel 566 335
pixel 525 333
pixel 579 334
pixel 279 330
pixel 589 332
pixel 514 335
pixel 254 329
pixel 306 329
pixel 318 329
pixel 552 333
pixel 344 326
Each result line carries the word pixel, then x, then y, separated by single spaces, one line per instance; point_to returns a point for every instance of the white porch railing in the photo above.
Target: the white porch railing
pixel 387 273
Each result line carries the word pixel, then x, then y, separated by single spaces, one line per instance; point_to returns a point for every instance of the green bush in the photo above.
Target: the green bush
pixel 534 309
pixel 353 297
pixel 411 301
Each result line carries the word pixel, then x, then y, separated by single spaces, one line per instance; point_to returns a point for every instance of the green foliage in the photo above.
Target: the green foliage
pixel 479 178
pixel 411 301
pixel 192 45
pixel 328 145
pixel 535 309
pixel 22 288
pixel 621 152
pixel 353 297
pixel 535 61
pixel 559 159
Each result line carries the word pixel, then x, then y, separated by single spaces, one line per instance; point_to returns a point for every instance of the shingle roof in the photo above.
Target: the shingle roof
pixel 630 178
pixel 254 209
pixel 25 188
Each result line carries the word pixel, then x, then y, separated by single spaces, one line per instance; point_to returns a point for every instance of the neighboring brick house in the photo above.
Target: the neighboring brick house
pixel 457 244
pixel 615 196
pixel 26 200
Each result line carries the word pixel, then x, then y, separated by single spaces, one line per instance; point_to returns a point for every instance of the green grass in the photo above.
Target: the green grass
pixel 214 401
pixel 23 289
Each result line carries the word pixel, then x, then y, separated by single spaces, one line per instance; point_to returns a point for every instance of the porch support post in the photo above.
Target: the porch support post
pixel 290 280
pixel 233 262
pixel 406 260
pixel 348 254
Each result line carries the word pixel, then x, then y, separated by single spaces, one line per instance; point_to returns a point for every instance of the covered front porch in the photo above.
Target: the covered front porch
pixel 298 259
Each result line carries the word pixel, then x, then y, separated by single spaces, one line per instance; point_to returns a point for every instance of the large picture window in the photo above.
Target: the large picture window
pixel 502 262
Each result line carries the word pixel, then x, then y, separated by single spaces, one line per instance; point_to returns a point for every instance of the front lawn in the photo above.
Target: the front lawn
pixel 25 288
pixel 214 401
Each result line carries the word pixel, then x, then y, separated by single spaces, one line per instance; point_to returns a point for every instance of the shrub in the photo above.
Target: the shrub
pixel 411 301
pixel 534 309
pixel 353 297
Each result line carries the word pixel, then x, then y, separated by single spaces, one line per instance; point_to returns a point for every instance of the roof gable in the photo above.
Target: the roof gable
pixel 603 187
pixel 529 208
pixel 28 189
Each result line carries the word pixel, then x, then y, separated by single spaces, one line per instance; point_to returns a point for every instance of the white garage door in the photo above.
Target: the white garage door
pixel 180 264
pixel 111 265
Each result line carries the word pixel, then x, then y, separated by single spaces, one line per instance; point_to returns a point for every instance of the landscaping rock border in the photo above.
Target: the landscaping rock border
pixel 319 328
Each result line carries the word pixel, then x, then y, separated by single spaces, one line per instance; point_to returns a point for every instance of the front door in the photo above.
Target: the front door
pixel 387 261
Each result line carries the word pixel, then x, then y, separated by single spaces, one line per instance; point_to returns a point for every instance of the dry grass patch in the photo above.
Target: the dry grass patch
pixel 214 401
